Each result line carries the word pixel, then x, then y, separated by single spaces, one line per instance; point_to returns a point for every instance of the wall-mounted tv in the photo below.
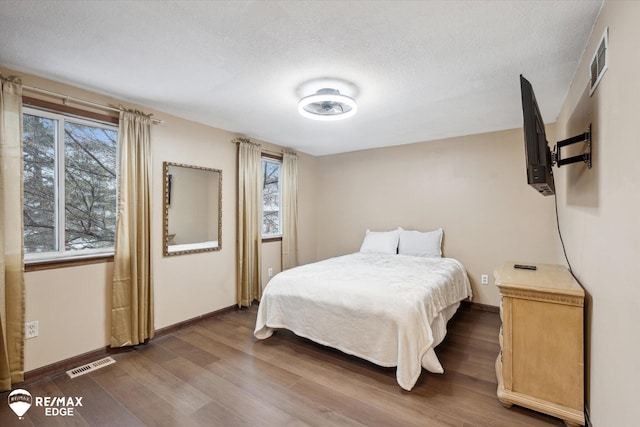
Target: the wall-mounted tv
pixel 536 148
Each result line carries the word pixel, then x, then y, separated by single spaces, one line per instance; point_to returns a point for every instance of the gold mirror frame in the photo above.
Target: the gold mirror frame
pixel 166 204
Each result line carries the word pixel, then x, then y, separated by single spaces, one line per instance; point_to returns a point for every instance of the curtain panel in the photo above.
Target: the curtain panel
pixel 12 302
pixel 249 286
pixel 289 210
pixel 132 317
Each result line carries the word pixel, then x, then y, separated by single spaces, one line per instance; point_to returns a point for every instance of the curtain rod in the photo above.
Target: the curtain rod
pixel 276 153
pixel 66 98
pixel 262 148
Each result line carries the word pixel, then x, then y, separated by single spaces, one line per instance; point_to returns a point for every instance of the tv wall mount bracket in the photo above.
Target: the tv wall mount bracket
pixel 584 157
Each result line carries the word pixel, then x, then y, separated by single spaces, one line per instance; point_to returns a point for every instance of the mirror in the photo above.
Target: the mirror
pixel 192 209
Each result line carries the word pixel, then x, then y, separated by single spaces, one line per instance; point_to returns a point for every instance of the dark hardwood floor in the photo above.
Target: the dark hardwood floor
pixel 215 373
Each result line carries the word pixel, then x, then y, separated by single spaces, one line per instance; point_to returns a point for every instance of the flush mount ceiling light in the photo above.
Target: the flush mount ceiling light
pixel 327 104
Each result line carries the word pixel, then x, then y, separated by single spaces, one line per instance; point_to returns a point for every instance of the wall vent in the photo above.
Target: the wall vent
pixel 89 367
pixel 599 61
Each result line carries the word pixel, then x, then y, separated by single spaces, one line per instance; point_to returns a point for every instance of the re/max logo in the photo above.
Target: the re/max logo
pixel 58 401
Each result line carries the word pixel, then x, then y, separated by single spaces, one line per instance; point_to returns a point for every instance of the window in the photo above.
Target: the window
pixel 70 185
pixel 271 217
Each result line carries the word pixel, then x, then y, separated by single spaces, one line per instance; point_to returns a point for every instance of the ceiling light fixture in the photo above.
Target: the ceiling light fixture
pixel 327 104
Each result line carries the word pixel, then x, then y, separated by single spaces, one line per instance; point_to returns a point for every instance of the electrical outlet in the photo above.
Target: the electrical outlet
pixel 270 272
pixel 31 329
pixel 485 279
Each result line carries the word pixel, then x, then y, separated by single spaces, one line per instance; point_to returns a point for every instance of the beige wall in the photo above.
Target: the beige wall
pixel 474 187
pixel 190 285
pixel 600 216
pixel 185 286
pixel 72 305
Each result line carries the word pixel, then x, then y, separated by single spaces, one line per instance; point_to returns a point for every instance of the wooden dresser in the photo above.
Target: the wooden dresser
pixel 541 362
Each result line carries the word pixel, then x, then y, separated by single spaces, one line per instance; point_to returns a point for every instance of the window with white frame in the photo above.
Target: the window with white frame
pixel 271 198
pixel 70 185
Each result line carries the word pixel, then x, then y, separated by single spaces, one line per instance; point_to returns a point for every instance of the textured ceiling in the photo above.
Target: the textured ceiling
pixel 420 70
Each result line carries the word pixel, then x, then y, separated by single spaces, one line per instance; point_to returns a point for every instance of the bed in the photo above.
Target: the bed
pixel 390 309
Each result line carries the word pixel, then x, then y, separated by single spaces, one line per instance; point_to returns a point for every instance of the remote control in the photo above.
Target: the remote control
pixel 525 267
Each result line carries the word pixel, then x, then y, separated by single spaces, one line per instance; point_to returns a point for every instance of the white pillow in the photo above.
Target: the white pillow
pixel 380 242
pixel 416 243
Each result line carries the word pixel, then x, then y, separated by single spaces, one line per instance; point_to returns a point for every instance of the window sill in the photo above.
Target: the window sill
pixel 53 263
pixel 272 239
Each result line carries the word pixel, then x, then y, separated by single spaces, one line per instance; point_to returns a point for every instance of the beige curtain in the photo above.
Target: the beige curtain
pixel 289 186
pixel 11 236
pixel 132 310
pixel 249 286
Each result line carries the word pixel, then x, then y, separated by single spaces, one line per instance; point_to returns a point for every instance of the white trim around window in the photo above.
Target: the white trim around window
pixel 57 250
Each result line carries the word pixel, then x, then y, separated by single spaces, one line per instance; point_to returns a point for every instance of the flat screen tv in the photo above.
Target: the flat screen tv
pixel 536 147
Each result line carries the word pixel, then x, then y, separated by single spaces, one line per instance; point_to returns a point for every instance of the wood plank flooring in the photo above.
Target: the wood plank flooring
pixel 215 373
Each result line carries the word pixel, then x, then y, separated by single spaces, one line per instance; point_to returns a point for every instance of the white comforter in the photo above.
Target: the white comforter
pixel 388 309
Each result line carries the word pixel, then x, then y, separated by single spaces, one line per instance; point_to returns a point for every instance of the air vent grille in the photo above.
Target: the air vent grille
pixel 89 367
pixel 599 61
